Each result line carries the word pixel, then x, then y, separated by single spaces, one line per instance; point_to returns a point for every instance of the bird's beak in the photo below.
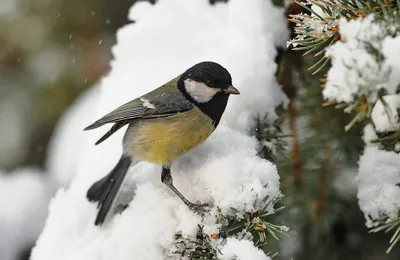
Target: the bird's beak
pixel 231 90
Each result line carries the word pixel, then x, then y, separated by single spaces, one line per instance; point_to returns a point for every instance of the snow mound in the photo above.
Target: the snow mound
pixel 224 171
pixel 64 150
pixel 24 196
pixel 384 114
pixel 391 52
pixel 355 71
pixel 378 180
pixel 241 250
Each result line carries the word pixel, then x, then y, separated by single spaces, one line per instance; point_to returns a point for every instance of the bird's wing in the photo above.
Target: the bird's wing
pixel 164 101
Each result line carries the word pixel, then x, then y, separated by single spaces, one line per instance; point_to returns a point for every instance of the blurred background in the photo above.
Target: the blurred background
pixel 52 51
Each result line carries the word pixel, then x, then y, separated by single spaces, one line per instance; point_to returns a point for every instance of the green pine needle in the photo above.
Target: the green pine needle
pixel 388 225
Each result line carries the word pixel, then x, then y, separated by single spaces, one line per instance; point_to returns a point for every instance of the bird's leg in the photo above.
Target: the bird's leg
pixel 166 178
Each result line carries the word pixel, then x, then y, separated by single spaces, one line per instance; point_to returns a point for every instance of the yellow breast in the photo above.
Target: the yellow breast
pixel 163 140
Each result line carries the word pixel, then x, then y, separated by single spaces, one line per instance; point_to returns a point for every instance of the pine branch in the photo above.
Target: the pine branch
pixel 296 156
pixel 254 226
pixel 200 248
pixel 388 225
pixel 316 31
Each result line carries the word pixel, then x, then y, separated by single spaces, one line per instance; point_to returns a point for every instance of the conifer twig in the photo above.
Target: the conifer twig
pixel 296 156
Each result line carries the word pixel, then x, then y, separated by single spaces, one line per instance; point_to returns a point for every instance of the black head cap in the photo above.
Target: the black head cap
pixel 214 76
pixel 210 73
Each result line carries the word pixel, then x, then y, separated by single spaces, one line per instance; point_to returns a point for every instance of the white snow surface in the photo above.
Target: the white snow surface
pixel 319 11
pixel 225 170
pixel 378 179
pixel 369 135
pixel 24 196
pixel 241 250
pixel 391 52
pixel 354 70
pixel 384 114
pixel 65 148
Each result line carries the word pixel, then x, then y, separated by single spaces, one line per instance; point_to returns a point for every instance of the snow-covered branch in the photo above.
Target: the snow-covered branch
pixel 364 80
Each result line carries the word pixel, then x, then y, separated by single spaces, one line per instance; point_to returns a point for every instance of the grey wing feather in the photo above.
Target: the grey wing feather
pixel 167 103
pixel 158 103
pixel 130 110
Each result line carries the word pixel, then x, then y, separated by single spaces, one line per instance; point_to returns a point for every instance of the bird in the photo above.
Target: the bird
pixel 163 125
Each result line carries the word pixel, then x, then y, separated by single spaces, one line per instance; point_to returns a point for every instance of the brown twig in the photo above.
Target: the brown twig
pixel 296 156
pixel 291 61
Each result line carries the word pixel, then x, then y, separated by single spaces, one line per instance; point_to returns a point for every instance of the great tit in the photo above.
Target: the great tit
pixel 162 125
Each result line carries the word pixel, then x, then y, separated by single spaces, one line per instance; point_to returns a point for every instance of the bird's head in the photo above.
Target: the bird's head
pixel 207 80
pixel 208 85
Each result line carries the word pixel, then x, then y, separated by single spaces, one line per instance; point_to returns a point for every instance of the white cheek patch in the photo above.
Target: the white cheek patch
pixel 200 91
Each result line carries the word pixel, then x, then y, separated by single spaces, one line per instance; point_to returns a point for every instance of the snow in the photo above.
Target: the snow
pixel 369 135
pixel 64 149
pixel 384 114
pixel 241 250
pixel 224 171
pixel 24 196
pixel 391 52
pixel 378 179
pixel 318 10
pixel 354 70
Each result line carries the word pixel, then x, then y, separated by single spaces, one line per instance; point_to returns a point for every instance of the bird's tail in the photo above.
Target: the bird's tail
pixel 106 190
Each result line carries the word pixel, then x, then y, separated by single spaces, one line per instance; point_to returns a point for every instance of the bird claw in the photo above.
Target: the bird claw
pixel 199 208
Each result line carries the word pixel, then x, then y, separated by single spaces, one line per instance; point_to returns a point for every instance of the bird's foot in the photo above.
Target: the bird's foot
pixel 199 208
